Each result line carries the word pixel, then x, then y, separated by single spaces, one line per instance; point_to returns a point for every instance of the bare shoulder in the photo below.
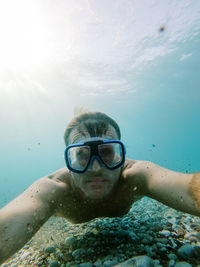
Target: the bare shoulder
pixel 53 186
pixel 61 176
pixel 133 168
pixel 145 168
pixel 133 173
pixel 175 189
pixel 135 164
pixel 146 175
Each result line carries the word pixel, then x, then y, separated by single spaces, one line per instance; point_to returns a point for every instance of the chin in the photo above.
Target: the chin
pixel 97 194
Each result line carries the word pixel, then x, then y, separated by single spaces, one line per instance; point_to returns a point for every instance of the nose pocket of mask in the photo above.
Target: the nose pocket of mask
pixel 95 157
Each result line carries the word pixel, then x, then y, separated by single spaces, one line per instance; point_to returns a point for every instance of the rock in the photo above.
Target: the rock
pixel 162 240
pixel 146 241
pixel 186 251
pixel 163 249
pixel 139 261
pixel 180 231
pixel 78 253
pixel 171 263
pixel 172 256
pixel 123 233
pixel 159 245
pixel 133 236
pixel 182 264
pixel 149 251
pixel 70 241
pixel 54 264
pixel 165 233
pixel 90 251
pixel 86 264
pixel 49 249
pixel 193 236
pixel 25 255
pixel 39 263
pixel 97 263
pixel 110 263
pixel 157 263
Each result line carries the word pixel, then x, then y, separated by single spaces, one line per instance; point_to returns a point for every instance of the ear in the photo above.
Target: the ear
pixel 195 189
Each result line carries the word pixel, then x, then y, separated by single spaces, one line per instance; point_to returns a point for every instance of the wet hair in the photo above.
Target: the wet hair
pixel 95 123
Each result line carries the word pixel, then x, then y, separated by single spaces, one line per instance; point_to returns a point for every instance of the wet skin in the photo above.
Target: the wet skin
pixel 103 199
pixel 97 192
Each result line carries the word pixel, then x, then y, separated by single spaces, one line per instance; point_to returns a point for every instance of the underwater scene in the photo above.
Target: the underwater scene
pixel 85 74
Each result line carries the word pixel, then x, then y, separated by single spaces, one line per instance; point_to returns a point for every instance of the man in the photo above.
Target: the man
pixel 98 182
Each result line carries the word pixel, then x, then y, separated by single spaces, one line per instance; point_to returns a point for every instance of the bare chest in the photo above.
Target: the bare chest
pixel 78 210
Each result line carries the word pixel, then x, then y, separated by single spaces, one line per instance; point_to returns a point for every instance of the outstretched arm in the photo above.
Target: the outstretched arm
pixel 177 190
pixel 22 217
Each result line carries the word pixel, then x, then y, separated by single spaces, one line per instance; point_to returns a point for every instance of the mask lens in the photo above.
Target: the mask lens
pixel 111 154
pixel 78 157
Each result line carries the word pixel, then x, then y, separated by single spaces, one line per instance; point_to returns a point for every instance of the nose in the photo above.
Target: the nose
pixel 95 165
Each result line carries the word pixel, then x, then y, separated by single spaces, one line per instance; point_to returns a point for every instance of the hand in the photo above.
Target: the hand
pixel 135 173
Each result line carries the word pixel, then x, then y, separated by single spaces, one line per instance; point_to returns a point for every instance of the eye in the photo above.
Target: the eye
pixel 80 156
pixel 107 151
pixel 82 152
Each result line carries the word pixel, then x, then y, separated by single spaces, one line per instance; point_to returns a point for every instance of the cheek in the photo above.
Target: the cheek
pixel 77 178
pixel 114 175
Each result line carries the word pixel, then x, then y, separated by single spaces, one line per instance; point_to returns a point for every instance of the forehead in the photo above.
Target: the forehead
pixel 75 136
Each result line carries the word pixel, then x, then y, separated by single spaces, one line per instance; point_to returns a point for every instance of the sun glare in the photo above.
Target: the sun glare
pixel 23 34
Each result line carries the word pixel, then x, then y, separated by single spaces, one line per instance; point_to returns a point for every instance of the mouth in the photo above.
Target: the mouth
pixel 96 182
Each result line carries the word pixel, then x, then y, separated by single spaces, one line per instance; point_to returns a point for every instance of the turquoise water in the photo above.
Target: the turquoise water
pixel 137 61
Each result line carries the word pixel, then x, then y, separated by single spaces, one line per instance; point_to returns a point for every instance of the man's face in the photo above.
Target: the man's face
pixel 97 182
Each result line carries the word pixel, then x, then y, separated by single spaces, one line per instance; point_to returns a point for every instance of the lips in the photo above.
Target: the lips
pixel 96 182
pixel 96 179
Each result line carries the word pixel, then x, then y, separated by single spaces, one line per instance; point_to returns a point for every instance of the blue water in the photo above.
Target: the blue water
pixel 139 63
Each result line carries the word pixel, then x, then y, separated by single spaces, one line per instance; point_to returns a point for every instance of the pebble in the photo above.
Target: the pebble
pixel 49 249
pixel 87 264
pixel 70 241
pixel 172 256
pixel 171 263
pixel 165 233
pixel 182 264
pixel 54 264
pixel 162 240
pixel 193 236
pixel 98 263
pixel 186 251
pixel 110 263
pixel 139 261
pixel 78 253
pixel 25 255
pixel 150 229
pixel 26 247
